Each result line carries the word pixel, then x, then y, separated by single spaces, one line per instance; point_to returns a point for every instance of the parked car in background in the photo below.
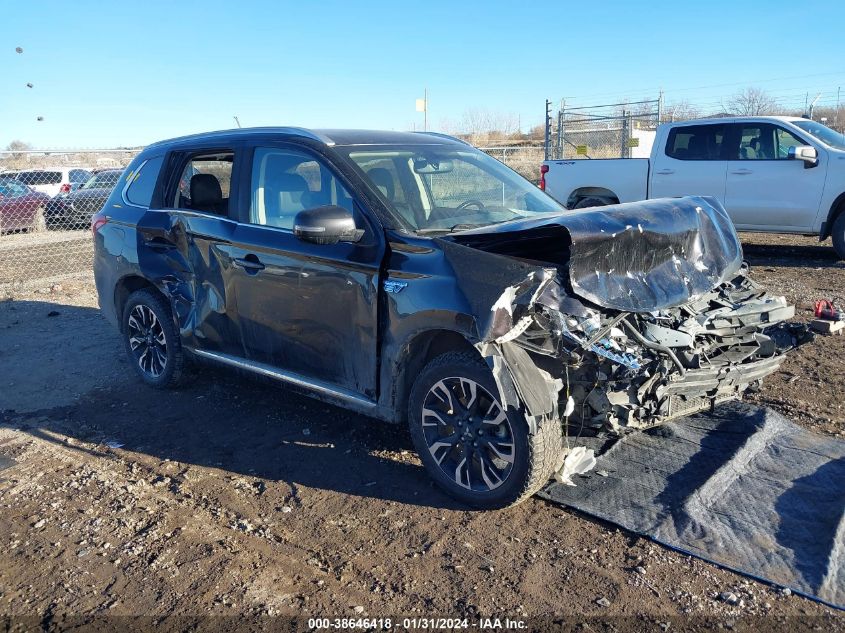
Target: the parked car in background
pixel 74 209
pixel 414 278
pixel 54 181
pixel 775 174
pixel 21 208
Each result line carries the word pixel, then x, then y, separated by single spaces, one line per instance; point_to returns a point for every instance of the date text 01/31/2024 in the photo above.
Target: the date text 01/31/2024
pixel 386 624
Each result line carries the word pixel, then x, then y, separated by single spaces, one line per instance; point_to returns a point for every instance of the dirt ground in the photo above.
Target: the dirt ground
pixel 233 497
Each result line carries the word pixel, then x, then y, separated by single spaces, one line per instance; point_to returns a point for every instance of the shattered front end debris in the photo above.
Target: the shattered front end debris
pixel 667 322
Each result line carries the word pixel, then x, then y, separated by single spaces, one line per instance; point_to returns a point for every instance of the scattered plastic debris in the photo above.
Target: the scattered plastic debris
pixel 824 309
pixel 578 461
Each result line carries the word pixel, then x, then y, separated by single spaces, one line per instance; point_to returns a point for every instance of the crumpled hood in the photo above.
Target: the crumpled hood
pixel 633 257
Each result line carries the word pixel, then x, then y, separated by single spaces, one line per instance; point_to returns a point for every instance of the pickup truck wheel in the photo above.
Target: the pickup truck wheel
pixel 473 449
pixel 837 234
pixel 151 340
pixel 586 203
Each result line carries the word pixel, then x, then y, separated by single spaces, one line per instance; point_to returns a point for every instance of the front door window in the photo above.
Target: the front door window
pixel 285 182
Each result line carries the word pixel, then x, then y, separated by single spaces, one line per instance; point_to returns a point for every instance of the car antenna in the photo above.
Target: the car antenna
pixel 238 123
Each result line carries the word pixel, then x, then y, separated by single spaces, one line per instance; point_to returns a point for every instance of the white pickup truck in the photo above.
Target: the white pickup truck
pixel 776 174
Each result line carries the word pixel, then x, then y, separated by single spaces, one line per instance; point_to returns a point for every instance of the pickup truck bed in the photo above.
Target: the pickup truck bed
pixel 590 177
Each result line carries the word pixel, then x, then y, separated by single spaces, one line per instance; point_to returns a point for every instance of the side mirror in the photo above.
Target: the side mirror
pixel 326 225
pixel 806 153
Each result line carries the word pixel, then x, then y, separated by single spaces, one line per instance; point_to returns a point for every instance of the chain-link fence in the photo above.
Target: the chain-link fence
pixel 47 199
pixel 523 159
pixel 614 130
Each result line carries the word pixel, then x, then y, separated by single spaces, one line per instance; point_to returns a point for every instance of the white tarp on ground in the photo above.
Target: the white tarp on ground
pixel 742 487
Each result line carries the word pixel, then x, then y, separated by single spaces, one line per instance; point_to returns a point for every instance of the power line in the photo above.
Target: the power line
pixel 618 94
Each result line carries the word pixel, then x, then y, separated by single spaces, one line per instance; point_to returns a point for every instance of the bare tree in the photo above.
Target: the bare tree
pixel 480 125
pixel 681 111
pixel 16 158
pixel 752 102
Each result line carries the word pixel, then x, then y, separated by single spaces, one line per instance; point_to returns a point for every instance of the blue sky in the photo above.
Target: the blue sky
pixel 121 73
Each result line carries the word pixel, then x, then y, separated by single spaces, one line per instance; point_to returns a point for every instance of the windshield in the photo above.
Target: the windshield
pixel 822 132
pixel 103 180
pixel 444 188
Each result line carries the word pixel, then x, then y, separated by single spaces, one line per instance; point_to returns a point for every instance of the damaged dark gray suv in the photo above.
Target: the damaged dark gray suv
pixel 413 278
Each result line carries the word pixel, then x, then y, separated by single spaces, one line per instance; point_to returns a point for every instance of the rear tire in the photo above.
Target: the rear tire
pixel 151 340
pixel 837 235
pixel 477 461
pixel 591 201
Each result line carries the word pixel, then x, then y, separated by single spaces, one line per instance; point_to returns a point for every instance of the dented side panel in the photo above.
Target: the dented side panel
pixel 186 255
pixel 313 309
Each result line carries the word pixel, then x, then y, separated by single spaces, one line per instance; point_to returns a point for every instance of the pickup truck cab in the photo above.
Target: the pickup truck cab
pixel 771 173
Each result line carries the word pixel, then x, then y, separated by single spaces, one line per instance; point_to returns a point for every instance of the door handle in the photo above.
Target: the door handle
pixel 251 264
pixel 665 172
pixel 742 172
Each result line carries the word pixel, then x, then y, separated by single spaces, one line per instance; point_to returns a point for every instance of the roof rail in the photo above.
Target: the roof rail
pixel 293 131
pixel 302 131
pixel 447 136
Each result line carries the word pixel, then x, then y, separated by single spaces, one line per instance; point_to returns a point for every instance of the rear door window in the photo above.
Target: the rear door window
pixel 696 142
pixel 143 182
pixel 206 182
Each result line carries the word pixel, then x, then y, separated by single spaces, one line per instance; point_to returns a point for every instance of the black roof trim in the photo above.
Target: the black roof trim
pixel 329 137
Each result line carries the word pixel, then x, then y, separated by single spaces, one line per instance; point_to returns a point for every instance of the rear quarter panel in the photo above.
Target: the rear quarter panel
pixel 626 178
pixel 116 245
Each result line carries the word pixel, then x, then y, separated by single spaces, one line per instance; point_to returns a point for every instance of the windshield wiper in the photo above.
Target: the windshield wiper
pixel 463 226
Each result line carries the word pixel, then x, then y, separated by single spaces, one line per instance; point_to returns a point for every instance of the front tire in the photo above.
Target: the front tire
pixel 151 340
pixel 837 235
pixel 476 452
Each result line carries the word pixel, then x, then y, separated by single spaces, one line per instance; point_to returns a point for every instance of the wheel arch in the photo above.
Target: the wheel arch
pixel 417 352
pixel 125 287
pixel 836 209
pixel 591 192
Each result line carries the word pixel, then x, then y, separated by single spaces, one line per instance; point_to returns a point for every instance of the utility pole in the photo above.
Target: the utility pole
pixel 559 144
pixel 813 105
pixel 836 112
pixel 660 107
pixel 548 130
